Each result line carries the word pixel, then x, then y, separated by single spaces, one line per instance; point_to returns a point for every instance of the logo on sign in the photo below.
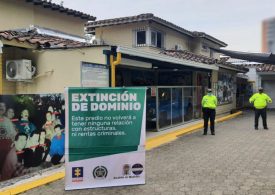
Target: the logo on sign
pixel 126 169
pixel 100 172
pixel 77 174
pixel 137 169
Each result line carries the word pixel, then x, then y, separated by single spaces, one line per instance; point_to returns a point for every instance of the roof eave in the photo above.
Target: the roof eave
pixel 61 9
pixel 239 70
pixel 178 29
pixel 163 58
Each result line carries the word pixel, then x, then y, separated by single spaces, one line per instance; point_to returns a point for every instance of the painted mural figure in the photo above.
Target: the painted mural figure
pixel 10 167
pixel 7 130
pixel 49 126
pixel 57 149
pixel 7 135
pixel 24 125
pixel 225 88
pixel 29 144
pixel 20 144
pixel 11 115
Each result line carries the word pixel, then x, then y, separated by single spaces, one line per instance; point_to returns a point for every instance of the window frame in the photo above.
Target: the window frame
pixel 157 33
pixel 136 36
pixel 158 41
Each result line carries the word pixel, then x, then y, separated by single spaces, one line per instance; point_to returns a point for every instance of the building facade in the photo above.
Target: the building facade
pixel 177 66
pixel 268 35
pixel 35 25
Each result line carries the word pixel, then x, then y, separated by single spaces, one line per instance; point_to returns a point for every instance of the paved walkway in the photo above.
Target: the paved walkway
pixel 238 160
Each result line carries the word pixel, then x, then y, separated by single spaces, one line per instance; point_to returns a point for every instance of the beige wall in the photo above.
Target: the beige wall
pixel 196 47
pixel 15 14
pixel 19 14
pixel 124 35
pixel 65 65
pixel 172 37
pixel 227 107
pixel 58 21
pixel 119 34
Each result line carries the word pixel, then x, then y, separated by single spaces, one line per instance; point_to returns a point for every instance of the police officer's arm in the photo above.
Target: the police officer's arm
pixel 202 101
pixel 252 99
pixel 268 99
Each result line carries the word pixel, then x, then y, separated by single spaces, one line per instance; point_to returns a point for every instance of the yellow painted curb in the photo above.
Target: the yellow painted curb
pixel 33 184
pixel 229 116
pixel 162 139
pixel 150 144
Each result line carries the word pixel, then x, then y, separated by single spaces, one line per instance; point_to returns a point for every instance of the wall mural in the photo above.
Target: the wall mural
pixel 225 88
pixel 31 133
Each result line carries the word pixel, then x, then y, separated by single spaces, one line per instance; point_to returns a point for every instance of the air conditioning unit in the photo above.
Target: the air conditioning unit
pixel 17 70
pixel 178 47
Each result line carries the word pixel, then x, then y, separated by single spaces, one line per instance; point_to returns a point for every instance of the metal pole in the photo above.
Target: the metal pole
pixel 157 108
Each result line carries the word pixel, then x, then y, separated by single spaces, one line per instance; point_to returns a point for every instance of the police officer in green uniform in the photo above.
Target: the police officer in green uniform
pixel 260 101
pixel 209 104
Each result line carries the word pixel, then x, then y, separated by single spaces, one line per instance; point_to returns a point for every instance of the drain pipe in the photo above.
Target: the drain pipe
pixel 113 67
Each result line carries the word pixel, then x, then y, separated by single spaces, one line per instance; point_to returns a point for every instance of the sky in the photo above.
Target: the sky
pixel 235 22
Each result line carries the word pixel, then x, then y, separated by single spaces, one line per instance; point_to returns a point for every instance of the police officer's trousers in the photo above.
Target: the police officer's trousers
pixel 209 114
pixel 262 113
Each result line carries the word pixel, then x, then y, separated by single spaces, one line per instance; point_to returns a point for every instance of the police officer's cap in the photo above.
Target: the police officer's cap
pixel 209 90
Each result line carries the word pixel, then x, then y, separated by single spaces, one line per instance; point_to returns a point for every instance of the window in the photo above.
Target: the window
pixel 141 37
pixel 153 38
pixel 148 37
pixel 159 40
pixel 156 39
pixel 205 47
pixel 211 54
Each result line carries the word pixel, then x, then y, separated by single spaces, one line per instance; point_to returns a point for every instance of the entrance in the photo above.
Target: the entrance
pixel 170 106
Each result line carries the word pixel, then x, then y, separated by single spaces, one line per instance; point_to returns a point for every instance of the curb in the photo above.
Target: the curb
pixel 33 184
pixel 162 139
pixel 151 143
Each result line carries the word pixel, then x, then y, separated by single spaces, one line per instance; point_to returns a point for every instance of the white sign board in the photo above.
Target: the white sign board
pixel 94 75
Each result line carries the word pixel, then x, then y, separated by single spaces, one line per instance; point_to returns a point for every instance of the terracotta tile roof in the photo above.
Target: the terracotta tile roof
pixel 91 26
pixel 42 41
pixel 187 55
pixel 260 67
pixel 55 7
pixel 266 68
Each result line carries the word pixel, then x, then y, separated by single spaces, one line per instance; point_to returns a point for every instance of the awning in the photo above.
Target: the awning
pixel 164 58
pixel 267 58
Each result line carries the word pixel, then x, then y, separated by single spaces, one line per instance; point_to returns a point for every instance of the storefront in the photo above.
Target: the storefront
pixel 175 88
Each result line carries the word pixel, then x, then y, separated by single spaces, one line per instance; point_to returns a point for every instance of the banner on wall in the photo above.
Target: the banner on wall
pixel 105 137
pixel 225 88
pixel 31 133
